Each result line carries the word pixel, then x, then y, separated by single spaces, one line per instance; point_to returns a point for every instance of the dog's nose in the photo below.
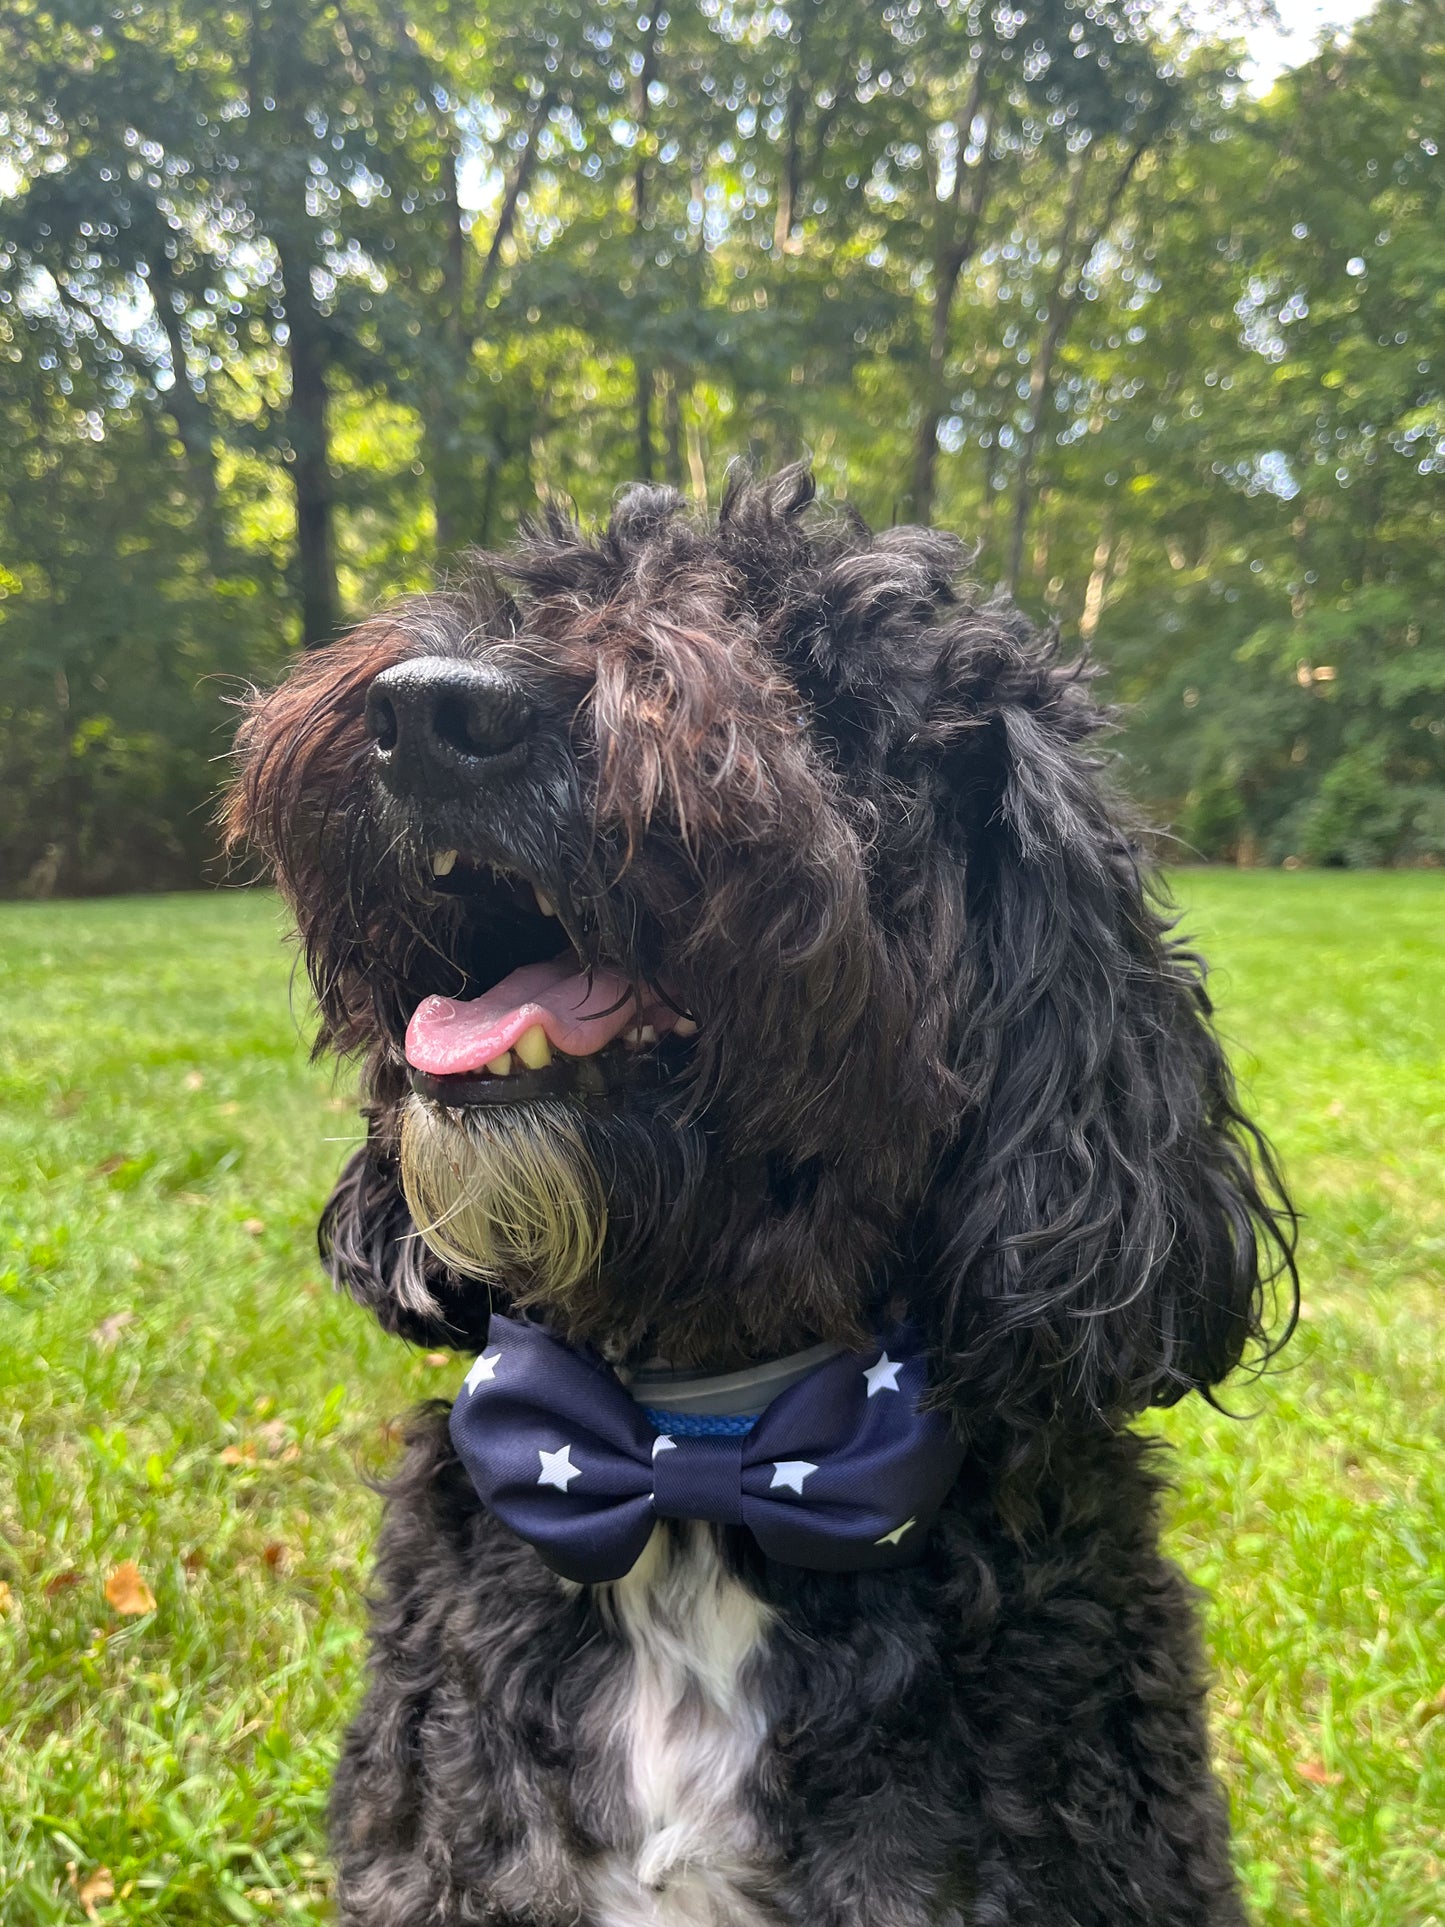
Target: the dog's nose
pixel 440 725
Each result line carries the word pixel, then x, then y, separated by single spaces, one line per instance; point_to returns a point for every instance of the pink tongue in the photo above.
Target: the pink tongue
pixel 581 1015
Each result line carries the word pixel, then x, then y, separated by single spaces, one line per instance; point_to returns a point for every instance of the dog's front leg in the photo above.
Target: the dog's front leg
pixel 1098 1801
pixel 464 1792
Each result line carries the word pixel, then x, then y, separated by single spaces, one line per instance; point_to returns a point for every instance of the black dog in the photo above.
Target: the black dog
pixel 775 880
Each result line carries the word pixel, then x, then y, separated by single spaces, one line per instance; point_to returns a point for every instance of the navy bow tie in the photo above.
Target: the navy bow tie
pixel 841 1473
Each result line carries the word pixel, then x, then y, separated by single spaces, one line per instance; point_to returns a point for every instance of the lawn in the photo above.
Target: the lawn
pixel 180 1390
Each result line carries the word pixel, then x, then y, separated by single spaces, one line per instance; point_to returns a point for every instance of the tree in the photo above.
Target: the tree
pixel 298 303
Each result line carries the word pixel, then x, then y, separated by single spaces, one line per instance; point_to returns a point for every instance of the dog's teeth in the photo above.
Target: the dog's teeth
pixel 544 903
pixel 501 1066
pixel 443 863
pixel 647 1035
pixel 685 1027
pixel 632 1038
pixel 534 1048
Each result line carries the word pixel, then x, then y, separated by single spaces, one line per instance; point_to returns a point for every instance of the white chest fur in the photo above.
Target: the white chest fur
pixel 687 1733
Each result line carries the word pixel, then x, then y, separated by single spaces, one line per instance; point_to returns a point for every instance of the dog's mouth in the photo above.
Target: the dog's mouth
pixel 553 1025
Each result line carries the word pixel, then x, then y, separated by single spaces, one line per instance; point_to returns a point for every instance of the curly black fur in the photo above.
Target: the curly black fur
pixel 950 1056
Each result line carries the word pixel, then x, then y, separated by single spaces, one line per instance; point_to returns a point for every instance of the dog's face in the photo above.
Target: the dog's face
pixel 737 939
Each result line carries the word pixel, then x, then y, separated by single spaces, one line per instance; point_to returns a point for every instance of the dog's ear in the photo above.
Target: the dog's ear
pixel 1105 1226
pixel 371 1248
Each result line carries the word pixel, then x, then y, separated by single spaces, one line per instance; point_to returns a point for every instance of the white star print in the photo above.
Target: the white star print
pixel 790 1473
pixel 883 1377
pixel 892 1538
pixel 557 1468
pixel 483 1371
pixel 663 1443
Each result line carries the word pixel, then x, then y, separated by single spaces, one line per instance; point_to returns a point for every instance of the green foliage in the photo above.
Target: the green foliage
pixel 1288 477
pixel 295 305
pixel 180 1388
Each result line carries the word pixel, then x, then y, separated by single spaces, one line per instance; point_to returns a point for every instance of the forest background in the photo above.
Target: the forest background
pixel 299 299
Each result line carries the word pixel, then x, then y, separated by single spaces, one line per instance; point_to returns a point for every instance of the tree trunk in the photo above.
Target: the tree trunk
pixel 642 366
pixel 645 464
pixel 696 461
pixel 465 507
pixel 1074 253
pixel 1098 583
pixel 1042 369
pixel 793 170
pixel 309 434
pixel 507 213
pixel 953 248
pixel 449 467
pixel 279 69
pixel 193 426
pixel 672 430
pixel 447 454
pixel 790 174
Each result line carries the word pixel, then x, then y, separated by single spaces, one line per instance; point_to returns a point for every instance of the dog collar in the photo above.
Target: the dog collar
pixel 717 1405
pixel 842 1470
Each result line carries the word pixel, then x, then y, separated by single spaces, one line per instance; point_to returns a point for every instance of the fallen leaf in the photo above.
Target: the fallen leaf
pixel 1434 1709
pixel 110 1164
pixel 192 1197
pixel 276 1556
pixel 1316 1773
pixel 194 1081
pixel 62 1582
pixel 290 1455
pixel 7 1598
pixel 272 1435
pixel 244 1454
pixel 438 1358
pixel 128 1592
pixel 109 1329
pixel 97 1886
pixel 195 1559
pixel 253 1227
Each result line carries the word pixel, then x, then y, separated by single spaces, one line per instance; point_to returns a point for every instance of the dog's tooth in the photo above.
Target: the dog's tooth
pixel 685 1027
pixel 544 903
pixel 632 1038
pixel 647 1034
pixel 534 1048
pixel 443 863
pixel 501 1066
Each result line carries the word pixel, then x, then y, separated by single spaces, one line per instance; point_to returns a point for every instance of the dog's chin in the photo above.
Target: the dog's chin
pixel 508 1194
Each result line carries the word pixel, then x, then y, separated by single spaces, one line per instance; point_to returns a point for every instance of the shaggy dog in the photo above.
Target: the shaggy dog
pixel 754 980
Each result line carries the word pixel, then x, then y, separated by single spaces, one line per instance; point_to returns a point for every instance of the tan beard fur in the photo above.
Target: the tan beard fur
pixel 509 1195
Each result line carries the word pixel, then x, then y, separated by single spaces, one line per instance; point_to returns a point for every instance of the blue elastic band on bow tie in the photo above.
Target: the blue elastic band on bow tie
pixel 698 1425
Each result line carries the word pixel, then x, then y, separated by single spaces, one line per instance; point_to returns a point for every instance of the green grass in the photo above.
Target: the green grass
pixel 179 1388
